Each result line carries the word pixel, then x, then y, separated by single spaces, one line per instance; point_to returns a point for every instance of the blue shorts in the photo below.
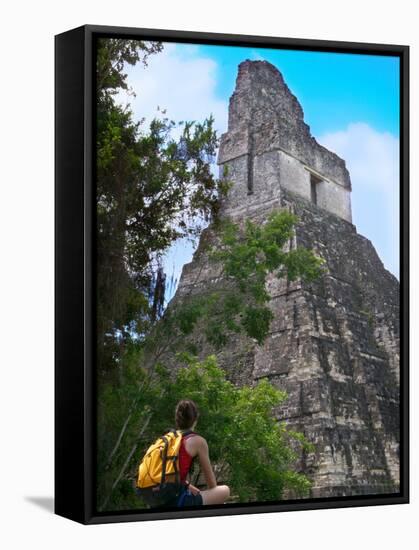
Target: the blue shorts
pixel 186 498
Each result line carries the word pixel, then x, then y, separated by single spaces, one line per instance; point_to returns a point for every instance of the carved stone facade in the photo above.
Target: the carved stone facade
pixel 268 146
pixel 333 344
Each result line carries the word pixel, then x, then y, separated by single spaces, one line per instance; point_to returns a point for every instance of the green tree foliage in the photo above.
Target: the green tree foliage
pixel 246 257
pixel 151 189
pixel 113 54
pixel 250 448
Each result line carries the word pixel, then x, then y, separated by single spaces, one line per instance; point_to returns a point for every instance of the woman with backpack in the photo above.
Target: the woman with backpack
pixel 163 472
pixel 195 446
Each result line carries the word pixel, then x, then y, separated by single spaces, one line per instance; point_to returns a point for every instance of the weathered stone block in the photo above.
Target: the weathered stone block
pixel 333 344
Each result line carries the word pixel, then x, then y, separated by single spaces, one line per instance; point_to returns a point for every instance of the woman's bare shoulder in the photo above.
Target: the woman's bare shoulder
pixel 199 440
pixel 195 443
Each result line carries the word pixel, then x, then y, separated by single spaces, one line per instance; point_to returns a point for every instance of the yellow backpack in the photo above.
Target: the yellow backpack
pixel 158 480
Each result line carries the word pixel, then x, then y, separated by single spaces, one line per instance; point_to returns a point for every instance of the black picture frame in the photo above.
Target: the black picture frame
pixel 75 272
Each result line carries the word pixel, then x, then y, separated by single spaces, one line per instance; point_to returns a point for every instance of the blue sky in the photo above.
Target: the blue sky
pixel 334 89
pixel 350 102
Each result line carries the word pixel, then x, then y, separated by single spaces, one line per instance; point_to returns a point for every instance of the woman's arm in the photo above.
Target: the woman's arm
pixel 205 463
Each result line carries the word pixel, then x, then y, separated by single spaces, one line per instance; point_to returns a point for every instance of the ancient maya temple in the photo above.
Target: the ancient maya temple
pixel 333 345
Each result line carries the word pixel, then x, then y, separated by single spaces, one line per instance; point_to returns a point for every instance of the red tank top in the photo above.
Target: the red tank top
pixel 185 459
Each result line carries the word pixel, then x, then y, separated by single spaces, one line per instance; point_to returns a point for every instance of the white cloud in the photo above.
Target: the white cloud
pixel 372 158
pixel 182 83
pixel 179 81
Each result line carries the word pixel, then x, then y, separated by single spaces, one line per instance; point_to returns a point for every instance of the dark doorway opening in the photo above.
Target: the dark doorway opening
pixel 314 181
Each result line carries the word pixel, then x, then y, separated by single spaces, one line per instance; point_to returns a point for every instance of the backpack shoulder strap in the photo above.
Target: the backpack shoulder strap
pixel 187 433
pixel 172 431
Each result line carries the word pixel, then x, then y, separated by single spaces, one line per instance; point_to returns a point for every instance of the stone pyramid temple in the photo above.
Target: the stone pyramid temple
pixel 333 344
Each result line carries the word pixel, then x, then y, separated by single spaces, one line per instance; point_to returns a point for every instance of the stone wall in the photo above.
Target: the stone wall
pixel 268 144
pixel 333 344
